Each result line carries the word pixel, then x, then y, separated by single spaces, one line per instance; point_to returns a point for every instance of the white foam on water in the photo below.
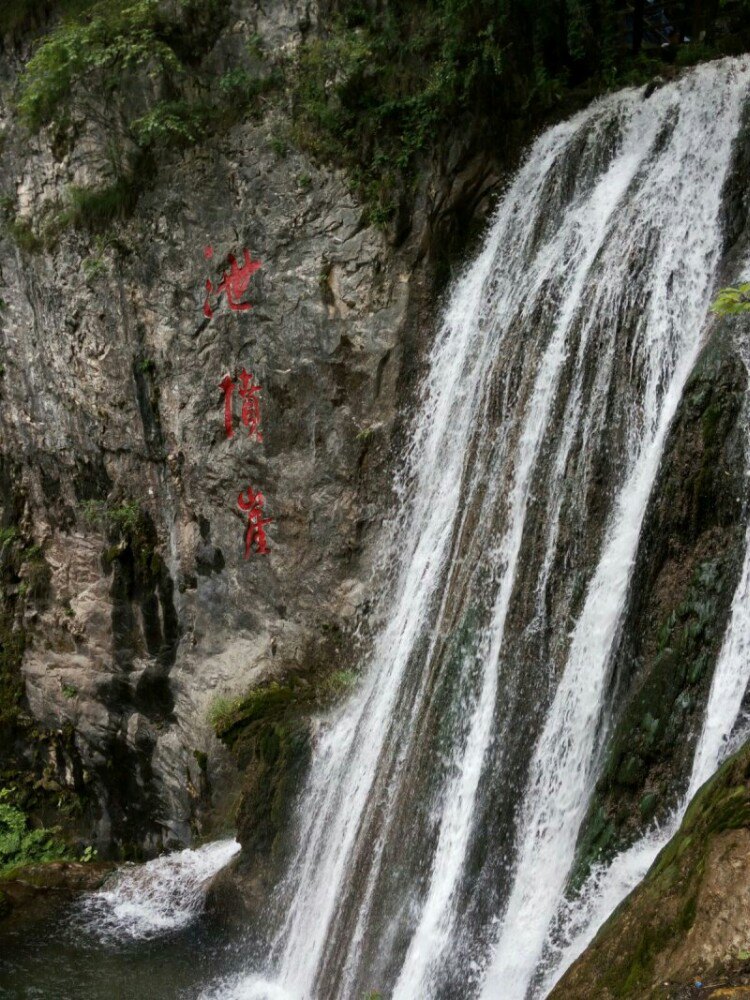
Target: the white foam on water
pixel 243 987
pixel 161 896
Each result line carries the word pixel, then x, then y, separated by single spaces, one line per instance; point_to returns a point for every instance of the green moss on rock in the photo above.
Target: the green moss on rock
pixel 268 733
pixel 689 564
pixel 640 950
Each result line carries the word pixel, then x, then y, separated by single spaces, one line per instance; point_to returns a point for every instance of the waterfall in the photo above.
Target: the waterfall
pixel 439 824
pixel 142 901
pixel 725 728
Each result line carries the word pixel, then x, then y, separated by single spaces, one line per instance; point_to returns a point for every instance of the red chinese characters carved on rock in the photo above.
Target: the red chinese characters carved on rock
pixel 255 534
pixel 234 284
pixel 250 404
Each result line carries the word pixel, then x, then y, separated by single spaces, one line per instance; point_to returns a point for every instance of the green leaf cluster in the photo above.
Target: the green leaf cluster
pixel 94 50
pixel 171 122
pixel 22 845
pixel 731 301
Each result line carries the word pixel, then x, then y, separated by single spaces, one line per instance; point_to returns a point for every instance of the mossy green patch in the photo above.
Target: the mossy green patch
pixel 663 909
pixel 126 523
pixel 110 38
pixel 275 700
pixel 131 69
pixel 268 732
pixel 648 805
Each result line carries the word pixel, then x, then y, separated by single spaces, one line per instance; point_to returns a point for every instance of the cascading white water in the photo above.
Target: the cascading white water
pixel 564 351
pixel 724 730
pixel 161 896
pixel 728 687
pixel 564 760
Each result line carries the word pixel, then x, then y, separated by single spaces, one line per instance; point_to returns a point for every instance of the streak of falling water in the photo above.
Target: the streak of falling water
pixel 728 687
pixel 725 728
pixel 565 756
pixel 564 350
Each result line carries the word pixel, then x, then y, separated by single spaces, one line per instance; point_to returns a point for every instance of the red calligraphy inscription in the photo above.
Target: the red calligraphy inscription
pixel 252 503
pixel 234 284
pixel 250 405
pixel 227 387
pixel 249 394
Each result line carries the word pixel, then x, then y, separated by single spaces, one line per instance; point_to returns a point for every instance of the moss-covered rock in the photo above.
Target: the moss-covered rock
pixel 30 893
pixel 269 734
pixel 690 917
pixel 269 737
pixel 688 566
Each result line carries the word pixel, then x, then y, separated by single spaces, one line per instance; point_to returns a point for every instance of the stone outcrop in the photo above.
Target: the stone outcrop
pixel 684 931
pixel 111 402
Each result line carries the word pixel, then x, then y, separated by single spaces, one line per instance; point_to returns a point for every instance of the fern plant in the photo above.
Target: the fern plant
pixel 22 845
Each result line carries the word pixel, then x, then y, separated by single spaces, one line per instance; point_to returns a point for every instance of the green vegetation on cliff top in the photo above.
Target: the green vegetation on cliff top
pixel 373 87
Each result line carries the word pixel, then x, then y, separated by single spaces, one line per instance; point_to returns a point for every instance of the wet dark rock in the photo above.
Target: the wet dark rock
pixel 688 565
pixel 32 893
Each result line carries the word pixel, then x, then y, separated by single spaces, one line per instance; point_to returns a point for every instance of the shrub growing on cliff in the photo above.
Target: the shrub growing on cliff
pixel 125 520
pixel 731 301
pixel 21 845
pixel 82 62
pixel 171 122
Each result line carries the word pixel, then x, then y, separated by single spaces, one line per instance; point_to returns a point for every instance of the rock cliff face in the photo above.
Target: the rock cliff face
pixel 128 608
pixel 129 614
